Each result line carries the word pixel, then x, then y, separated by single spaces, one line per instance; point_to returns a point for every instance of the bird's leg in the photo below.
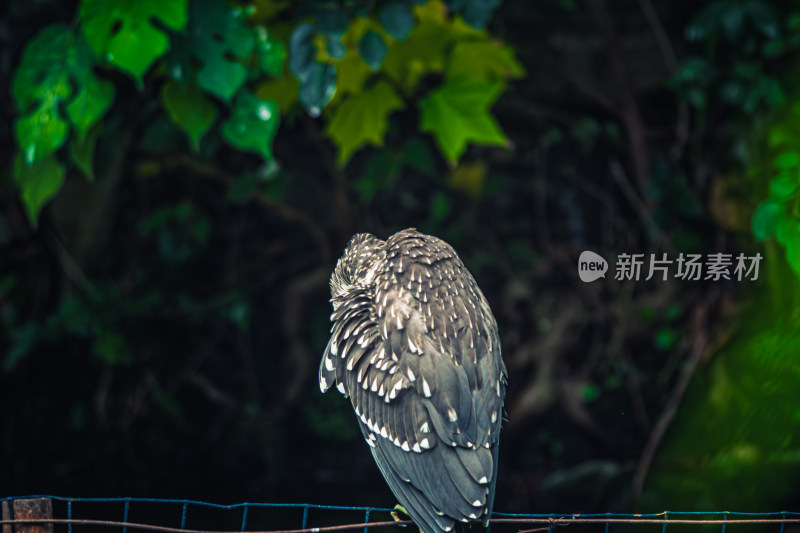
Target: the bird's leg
pixel 396 513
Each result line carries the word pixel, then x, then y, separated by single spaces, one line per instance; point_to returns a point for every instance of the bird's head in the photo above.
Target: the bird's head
pixel 358 265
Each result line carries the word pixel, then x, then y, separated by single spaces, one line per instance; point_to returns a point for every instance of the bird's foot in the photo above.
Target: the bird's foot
pixel 396 513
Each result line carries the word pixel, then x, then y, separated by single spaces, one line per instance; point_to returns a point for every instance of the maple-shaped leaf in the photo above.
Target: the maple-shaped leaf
pixel 422 52
pixel 458 113
pixel 122 32
pixel 55 71
pixel 353 72
pixel 484 61
pixel 363 119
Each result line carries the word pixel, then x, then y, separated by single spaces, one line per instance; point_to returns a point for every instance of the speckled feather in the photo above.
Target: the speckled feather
pixel 415 347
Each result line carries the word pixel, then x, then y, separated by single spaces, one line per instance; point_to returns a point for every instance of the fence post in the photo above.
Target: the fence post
pixel 5 514
pixel 28 509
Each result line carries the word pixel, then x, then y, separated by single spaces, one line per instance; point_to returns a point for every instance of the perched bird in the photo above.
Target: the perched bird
pixel 415 347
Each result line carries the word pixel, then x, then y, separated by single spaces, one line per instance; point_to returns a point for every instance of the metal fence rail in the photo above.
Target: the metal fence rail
pixel 35 514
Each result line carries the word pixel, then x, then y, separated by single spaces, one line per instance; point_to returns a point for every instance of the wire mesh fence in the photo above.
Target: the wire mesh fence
pixel 58 514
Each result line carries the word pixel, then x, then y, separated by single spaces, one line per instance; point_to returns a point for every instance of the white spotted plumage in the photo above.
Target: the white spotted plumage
pixel 413 347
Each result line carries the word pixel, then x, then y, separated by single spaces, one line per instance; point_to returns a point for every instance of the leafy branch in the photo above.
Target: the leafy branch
pixel 233 70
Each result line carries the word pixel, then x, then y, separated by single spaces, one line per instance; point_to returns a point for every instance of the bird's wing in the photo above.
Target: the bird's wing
pixel 394 422
pixel 437 325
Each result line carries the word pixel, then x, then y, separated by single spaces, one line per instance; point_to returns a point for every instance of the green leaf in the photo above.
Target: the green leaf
pixel 730 16
pixel 189 108
pixel 786 160
pixel 56 68
pixel 423 52
pixel 783 186
pixel 42 132
pixel 275 188
pixel 332 20
pixel 705 22
pixel 373 49
pixel 318 88
pixel 123 33
pixel 397 19
pixel 303 53
pixel 766 219
pixel 271 53
pixel 91 102
pixel 223 42
pixel 47 51
pixel 476 12
pixel 665 339
pixel 317 80
pixel 483 61
pixel 252 125
pixel 363 119
pixel 590 392
pixel 353 72
pixel 81 152
pixel 785 230
pixel 793 249
pixel 458 113
pixel 39 182
pixel 283 90
pixel 335 47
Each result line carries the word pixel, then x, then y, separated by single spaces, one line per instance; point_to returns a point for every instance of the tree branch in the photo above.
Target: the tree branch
pixel 284 211
pixel 671 61
pixel 699 343
pixel 628 107
pixel 639 205
pixel 340 199
pixel 300 359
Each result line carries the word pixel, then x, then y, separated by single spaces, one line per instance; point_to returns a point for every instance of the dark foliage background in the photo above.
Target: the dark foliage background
pixel 161 326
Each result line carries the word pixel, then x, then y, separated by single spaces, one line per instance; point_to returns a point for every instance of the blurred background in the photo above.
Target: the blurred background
pixel 177 181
